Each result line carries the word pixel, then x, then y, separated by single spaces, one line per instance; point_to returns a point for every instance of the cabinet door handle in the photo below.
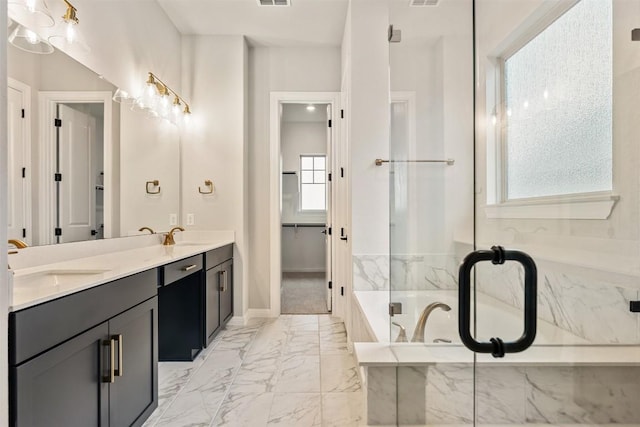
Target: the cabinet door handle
pixel 189 267
pixel 112 361
pixel 118 372
pixel 223 280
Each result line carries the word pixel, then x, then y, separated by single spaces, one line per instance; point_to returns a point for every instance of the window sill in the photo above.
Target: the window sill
pixel 580 206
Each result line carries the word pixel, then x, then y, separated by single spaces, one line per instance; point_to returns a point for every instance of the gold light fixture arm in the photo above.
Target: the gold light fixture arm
pixel 70 14
pixel 164 90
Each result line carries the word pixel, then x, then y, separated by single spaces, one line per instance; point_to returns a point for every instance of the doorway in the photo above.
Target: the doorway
pixel 77 151
pixel 302 139
pixel 305 144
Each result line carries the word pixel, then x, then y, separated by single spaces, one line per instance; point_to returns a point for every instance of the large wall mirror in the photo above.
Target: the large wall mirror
pixel 81 166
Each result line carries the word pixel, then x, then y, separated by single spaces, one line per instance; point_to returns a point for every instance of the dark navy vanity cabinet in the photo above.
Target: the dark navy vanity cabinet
pixel 218 299
pixel 87 359
pixel 91 358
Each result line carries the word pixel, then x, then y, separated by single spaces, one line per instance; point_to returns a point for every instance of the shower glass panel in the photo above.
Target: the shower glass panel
pixel 536 104
pixel 431 206
pixel 556 178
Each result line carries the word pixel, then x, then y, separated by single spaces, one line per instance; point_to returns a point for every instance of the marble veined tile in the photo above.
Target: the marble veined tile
pixel 343 410
pixel 381 395
pixel 299 374
pixel 303 343
pixel 370 272
pixel 583 395
pixel 327 319
pixel 450 394
pixel 339 373
pixel 333 339
pixel 304 322
pixel 244 409
pixel 296 409
pixel 199 401
pixel 258 373
pixel 500 395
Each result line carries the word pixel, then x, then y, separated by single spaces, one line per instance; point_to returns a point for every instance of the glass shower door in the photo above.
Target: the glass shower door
pixel 513 152
pixel 431 207
pixel 556 205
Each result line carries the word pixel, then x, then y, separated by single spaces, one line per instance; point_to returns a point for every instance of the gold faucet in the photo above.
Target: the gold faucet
pixel 19 244
pixel 148 229
pixel 168 238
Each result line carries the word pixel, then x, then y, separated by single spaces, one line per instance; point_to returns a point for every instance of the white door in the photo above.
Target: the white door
pixel 17 197
pixel 328 222
pixel 76 213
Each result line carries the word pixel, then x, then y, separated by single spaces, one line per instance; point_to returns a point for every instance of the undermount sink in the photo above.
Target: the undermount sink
pixel 56 277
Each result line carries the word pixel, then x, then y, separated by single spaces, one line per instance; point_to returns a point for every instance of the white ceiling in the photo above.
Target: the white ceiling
pixel 304 23
pixel 299 113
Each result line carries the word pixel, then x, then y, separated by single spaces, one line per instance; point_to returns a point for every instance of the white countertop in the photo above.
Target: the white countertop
pixel 37 284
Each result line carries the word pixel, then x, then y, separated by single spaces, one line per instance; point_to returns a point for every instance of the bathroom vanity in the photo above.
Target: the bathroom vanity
pixel 84 342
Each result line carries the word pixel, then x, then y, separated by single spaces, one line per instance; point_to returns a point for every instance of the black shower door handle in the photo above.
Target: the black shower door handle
pixel 495 346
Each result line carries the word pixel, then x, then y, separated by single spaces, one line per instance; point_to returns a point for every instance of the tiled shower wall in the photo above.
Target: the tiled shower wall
pixel 594 309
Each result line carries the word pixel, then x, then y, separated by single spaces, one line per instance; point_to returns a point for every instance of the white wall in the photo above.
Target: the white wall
pixel 369 121
pixel 215 145
pixel 149 150
pixel 314 69
pixel 303 249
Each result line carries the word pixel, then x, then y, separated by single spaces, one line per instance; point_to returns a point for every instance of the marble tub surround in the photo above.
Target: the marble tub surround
pixel 433 385
pixel 48 272
pixel 402 272
pixel 288 371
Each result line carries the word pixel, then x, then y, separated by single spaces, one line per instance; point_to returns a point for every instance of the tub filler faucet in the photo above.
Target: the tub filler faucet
pixel 418 334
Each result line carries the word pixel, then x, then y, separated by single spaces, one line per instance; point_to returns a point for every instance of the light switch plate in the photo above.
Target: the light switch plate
pixel 173 219
pixel 191 219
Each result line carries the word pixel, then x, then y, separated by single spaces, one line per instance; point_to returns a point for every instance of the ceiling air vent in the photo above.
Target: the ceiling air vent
pixel 419 3
pixel 274 2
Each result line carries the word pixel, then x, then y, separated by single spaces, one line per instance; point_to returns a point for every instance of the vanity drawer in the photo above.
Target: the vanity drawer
pixel 219 255
pixel 179 269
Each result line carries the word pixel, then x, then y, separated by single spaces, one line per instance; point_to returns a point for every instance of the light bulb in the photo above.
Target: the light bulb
pixel 311 107
pixel 31 37
pixel 70 32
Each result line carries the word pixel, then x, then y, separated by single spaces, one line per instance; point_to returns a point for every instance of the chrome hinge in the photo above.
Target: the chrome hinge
pixel 395 308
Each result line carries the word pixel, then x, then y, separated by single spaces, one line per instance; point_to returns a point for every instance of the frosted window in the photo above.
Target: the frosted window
pixel 312 186
pixel 558 105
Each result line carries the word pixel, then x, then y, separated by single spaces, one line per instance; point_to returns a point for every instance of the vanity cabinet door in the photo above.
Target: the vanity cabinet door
pixel 133 394
pixel 226 291
pixel 64 386
pixel 212 304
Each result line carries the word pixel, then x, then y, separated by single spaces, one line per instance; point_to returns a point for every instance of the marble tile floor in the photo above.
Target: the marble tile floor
pixel 295 370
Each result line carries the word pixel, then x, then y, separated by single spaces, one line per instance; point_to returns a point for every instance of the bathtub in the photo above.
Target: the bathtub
pixel 495 318
pixel 435 383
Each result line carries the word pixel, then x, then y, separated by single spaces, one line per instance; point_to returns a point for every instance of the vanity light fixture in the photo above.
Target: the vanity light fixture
pixel 156 101
pixel 29 41
pixel 31 13
pixel 67 35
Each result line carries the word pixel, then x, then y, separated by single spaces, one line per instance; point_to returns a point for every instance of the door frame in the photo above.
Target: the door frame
pixel 25 89
pixel 48 101
pixel 275 177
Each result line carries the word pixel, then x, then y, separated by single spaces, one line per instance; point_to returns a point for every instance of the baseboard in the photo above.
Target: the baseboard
pixel 304 270
pixel 258 312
